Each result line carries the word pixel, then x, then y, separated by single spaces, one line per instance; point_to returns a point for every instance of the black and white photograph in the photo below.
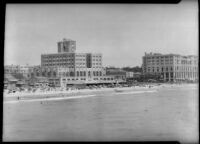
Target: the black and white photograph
pixel 101 72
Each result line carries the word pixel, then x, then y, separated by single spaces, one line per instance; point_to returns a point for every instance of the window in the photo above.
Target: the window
pixel 100 74
pixel 71 73
pixel 38 73
pixel 54 74
pixel 43 73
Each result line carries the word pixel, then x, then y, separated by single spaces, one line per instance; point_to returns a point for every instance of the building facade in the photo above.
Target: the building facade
pixel 72 67
pixel 17 69
pixel 171 67
pixel 118 74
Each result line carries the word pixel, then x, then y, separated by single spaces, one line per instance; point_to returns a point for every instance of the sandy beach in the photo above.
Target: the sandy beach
pixel 87 92
pixel 164 113
pixel 47 94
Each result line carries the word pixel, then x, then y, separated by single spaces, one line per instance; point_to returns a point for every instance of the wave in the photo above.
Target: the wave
pixel 74 97
pixel 50 99
pixel 135 92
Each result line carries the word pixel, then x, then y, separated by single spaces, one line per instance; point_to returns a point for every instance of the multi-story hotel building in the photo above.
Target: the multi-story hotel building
pixel 76 67
pixel 172 67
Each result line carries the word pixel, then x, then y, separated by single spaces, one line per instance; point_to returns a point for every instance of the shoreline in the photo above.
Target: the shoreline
pixel 75 93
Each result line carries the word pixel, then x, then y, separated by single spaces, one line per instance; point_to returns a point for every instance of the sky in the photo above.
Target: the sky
pixel 121 32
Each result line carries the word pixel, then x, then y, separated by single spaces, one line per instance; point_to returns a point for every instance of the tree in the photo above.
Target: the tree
pixel 132 69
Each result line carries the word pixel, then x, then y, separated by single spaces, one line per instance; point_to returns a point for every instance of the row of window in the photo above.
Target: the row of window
pixel 186 74
pixel 162 57
pixel 70 60
pixel 159 63
pixel 80 55
pixel 16 71
pixel 80 59
pixel 171 69
pixel 93 79
pixel 96 63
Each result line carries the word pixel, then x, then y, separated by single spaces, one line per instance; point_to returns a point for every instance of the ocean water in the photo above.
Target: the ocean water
pixel 169 113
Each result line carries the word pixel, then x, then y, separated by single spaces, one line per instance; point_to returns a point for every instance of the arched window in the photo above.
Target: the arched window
pixel 81 73
pixel 97 73
pixel 89 74
pixel 71 73
pixel 94 74
pixel 84 73
pixel 77 73
pixel 100 74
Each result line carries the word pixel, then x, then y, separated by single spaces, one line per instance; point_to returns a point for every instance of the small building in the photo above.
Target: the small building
pixel 10 81
pixel 118 74
pixel 55 82
pixel 129 74
pixel 38 81
pixel 137 74
pixel 20 84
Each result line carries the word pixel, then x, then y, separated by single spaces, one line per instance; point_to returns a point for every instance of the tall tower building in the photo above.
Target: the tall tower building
pixel 66 46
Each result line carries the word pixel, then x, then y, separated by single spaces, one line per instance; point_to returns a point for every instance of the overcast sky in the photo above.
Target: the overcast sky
pixel 121 32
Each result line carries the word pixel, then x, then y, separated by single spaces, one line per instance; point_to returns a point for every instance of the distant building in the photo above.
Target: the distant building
pixel 74 67
pixel 172 67
pixel 118 74
pixel 129 74
pixel 136 74
pixel 133 74
pixel 9 81
pixel 16 70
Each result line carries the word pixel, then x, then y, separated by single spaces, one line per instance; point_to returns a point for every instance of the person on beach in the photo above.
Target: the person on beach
pixel 18 97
